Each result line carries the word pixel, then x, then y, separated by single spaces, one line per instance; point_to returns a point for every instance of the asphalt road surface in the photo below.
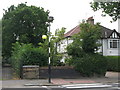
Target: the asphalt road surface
pixel 58 89
pixel 113 86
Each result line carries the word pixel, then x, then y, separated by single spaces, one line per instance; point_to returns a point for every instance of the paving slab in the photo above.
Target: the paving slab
pixel 64 81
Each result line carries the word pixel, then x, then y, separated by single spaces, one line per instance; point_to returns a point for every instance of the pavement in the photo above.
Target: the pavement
pixel 110 77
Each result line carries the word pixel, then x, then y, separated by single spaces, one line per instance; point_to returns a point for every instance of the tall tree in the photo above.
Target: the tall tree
pixel 110 8
pixel 85 41
pixel 23 23
pixel 84 58
pixel 60 34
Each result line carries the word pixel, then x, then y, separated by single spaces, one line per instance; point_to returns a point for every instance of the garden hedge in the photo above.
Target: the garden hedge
pixel 26 54
pixel 91 65
pixel 113 63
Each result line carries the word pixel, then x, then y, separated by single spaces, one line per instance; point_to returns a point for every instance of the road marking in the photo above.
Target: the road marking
pixel 44 86
pixel 96 85
pixel 31 84
pixel 99 86
pixel 82 84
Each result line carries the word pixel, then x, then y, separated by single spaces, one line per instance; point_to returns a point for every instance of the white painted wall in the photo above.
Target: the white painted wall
pixel 113 52
pixel 69 40
pixel 119 25
pixel 104 49
pixel 63 45
pixel 104 46
pixel 107 51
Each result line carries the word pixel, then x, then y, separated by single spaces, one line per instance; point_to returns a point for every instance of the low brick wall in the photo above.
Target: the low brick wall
pixel 31 72
pixel 59 72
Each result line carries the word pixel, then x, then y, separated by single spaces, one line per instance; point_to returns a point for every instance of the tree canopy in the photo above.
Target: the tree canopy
pixel 110 8
pixel 55 56
pixel 60 34
pixel 83 55
pixel 85 41
pixel 25 24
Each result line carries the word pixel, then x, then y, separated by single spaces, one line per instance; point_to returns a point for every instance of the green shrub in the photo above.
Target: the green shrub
pixel 56 60
pixel 113 63
pixel 35 56
pixel 68 61
pixel 91 64
pixel 26 54
pixel 16 59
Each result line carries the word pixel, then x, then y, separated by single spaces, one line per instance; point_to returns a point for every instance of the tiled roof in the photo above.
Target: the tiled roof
pixel 73 31
pixel 106 32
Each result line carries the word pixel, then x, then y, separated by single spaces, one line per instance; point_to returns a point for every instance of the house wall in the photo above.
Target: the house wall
pixel 113 52
pixel 100 47
pixel 69 41
pixel 62 45
pixel 104 46
pixel 107 51
pixel 104 49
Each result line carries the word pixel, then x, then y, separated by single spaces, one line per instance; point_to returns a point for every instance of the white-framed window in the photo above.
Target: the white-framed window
pixel 114 43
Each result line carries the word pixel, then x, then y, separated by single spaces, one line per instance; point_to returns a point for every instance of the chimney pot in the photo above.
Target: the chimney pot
pixel 90 20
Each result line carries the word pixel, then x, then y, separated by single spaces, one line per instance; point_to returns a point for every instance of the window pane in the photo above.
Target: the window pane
pixel 111 45
pixel 118 44
pixel 115 44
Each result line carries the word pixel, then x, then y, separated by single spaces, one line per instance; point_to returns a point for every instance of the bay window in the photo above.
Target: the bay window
pixel 114 43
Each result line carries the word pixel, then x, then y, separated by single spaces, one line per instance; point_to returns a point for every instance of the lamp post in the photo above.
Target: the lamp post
pixel 50 19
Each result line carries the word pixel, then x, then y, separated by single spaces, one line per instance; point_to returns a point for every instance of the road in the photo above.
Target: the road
pixel 96 86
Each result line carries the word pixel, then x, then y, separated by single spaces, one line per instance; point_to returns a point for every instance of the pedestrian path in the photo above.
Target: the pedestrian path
pixel 64 81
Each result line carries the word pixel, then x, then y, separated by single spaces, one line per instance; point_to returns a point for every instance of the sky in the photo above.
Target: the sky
pixel 66 13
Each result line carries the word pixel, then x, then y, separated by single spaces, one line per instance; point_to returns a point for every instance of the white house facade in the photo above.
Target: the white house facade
pixel 61 46
pixel 110 40
pixel 111 47
pixel 111 44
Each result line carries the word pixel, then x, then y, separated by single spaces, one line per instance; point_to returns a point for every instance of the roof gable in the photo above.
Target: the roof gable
pixel 106 32
pixel 114 34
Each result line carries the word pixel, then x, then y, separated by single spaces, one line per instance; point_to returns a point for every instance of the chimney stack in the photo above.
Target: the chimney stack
pixel 90 20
